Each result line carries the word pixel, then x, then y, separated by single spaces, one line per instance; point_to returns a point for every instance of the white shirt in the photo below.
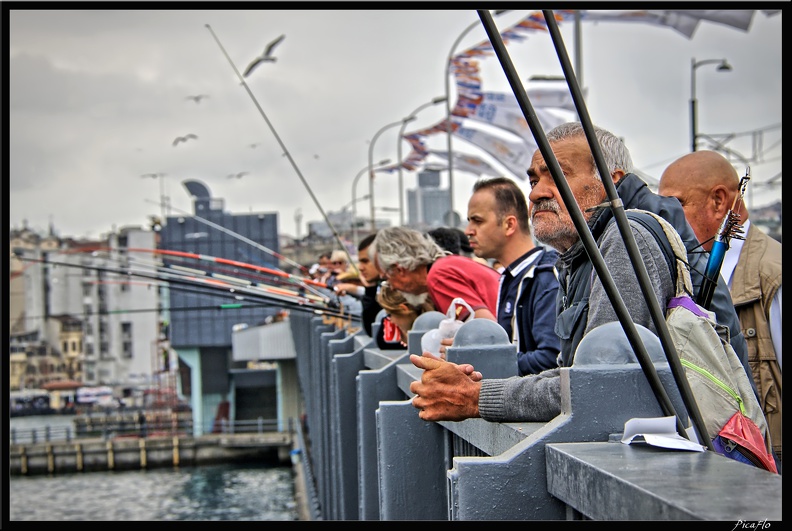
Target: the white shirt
pixel 727 269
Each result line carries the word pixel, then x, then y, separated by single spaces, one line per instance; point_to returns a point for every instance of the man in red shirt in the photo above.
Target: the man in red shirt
pixel 416 265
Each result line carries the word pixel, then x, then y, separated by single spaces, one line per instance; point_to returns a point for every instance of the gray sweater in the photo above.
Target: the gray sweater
pixel 537 397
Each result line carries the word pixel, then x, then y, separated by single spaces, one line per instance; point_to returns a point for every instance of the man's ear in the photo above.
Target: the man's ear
pixel 617 176
pixel 511 224
pixel 721 200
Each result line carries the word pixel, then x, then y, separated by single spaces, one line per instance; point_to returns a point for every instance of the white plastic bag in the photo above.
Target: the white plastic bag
pixel 430 342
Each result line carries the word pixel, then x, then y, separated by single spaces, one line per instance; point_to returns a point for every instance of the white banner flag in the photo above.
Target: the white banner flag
pixel 502 110
pixel 513 154
pixel 465 162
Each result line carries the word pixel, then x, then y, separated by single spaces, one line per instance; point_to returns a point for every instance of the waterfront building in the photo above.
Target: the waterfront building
pixel 218 385
pixel 76 314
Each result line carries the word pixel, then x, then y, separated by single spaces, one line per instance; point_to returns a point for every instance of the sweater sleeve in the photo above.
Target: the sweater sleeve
pixel 531 398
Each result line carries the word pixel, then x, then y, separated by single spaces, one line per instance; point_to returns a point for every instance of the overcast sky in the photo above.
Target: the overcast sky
pixel 98 96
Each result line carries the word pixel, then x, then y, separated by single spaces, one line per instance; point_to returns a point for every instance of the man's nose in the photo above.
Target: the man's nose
pixel 541 190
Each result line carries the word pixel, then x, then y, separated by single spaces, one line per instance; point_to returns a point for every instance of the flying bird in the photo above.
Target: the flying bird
pixel 254 145
pixel 184 138
pixel 266 57
pixel 197 97
pixel 237 175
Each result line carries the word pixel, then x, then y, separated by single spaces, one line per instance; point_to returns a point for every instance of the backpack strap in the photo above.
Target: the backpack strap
pixel 671 244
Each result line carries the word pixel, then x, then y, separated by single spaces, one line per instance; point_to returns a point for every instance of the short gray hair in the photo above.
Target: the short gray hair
pixel 615 153
pixel 404 247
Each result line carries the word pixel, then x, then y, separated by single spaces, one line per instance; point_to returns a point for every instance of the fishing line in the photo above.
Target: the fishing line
pixel 285 151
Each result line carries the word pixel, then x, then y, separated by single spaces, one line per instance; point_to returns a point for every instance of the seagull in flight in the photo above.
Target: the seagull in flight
pixel 184 138
pixel 254 145
pixel 265 57
pixel 237 175
pixel 153 175
pixel 197 97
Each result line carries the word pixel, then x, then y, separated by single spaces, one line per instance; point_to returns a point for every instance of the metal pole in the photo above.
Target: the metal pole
pixel 371 169
pixel 410 118
pixel 578 50
pixel 448 118
pixel 693 117
pixel 448 113
pixel 354 199
pixel 723 66
pixel 162 195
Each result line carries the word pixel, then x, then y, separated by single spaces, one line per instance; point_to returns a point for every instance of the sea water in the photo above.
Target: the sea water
pixel 250 491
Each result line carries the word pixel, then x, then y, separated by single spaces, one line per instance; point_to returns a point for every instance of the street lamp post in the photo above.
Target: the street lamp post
pixel 448 111
pixel 723 66
pixel 354 198
pixel 371 168
pixel 159 176
pixel 410 118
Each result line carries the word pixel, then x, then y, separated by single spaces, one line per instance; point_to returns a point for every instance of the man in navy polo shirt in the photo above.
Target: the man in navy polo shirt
pixel 498 228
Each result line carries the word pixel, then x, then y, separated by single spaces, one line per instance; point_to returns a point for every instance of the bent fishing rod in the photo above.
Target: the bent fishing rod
pixel 584 232
pixel 285 151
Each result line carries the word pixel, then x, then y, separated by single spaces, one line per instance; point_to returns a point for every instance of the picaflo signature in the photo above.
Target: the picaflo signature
pixel 760 524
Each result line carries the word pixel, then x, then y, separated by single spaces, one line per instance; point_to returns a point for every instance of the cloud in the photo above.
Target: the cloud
pixel 97 96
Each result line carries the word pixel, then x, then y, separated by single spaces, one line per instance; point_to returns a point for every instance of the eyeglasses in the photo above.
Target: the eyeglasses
pixel 338 262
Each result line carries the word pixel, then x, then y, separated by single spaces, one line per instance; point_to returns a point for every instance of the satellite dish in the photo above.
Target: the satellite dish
pixel 197 189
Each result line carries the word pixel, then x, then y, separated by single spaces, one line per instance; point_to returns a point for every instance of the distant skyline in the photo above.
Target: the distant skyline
pixel 99 98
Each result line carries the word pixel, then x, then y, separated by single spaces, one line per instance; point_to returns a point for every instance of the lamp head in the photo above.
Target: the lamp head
pixel 724 66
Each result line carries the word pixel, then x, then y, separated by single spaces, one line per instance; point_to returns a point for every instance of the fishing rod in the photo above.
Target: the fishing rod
pixel 580 223
pixel 304 282
pixel 285 151
pixel 729 228
pixel 237 236
pixel 655 311
pixel 232 306
pixel 285 298
pixel 221 270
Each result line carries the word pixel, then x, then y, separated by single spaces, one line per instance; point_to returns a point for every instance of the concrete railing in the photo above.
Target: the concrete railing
pixel 373 458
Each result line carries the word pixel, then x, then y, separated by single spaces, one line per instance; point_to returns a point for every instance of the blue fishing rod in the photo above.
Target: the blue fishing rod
pixel 729 228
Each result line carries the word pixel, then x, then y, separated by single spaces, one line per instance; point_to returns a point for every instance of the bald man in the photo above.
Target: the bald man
pixel 707 184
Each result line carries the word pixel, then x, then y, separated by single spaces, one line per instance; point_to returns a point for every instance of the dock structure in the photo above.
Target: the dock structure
pixel 366 455
pixel 135 452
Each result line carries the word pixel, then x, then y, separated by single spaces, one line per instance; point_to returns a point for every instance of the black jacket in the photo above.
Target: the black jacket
pixel 370 307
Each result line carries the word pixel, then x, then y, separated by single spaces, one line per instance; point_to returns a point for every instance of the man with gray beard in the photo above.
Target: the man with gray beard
pixel 448 391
